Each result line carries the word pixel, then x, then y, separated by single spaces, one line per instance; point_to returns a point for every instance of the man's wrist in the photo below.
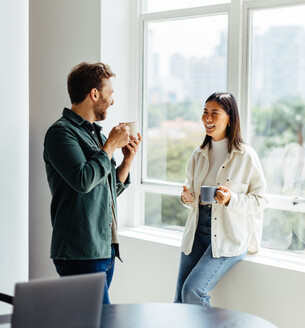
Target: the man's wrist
pixel 109 148
pixel 127 162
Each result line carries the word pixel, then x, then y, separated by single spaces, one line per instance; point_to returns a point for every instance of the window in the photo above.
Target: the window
pixel 160 5
pixel 256 51
pixel 277 105
pixel 185 61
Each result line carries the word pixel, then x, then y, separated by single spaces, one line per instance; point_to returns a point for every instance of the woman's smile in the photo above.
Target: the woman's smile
pixel 209 127
pixel 215 120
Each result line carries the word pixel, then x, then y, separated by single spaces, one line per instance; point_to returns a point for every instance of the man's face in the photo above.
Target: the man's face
pixel 105 100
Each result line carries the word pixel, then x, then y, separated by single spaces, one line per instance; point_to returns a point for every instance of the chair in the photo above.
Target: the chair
pixel 6 318
pixel 6 298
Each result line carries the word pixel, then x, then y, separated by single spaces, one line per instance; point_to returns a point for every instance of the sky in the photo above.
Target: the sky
pixel 191 37
pixel 293 16
pixel 198 37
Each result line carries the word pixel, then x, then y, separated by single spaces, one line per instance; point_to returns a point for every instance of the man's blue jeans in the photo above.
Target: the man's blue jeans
pixel 199 272
pixel 73 267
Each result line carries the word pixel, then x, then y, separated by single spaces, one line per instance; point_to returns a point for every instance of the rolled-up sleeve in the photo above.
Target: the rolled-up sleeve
pixel 120 187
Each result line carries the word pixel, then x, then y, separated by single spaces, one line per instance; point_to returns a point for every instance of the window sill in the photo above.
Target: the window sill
pixel 279 259
pixel 274 258
pixel 156 235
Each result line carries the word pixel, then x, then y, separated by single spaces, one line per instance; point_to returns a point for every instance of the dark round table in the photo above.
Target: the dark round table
pixel 167 315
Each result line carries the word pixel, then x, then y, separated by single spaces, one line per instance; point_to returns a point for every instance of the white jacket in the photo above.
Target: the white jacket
pixel 238 226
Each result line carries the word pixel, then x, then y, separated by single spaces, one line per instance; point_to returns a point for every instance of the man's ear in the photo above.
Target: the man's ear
pixel 94 94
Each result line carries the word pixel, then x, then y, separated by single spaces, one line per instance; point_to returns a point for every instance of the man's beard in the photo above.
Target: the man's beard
pixel 100 109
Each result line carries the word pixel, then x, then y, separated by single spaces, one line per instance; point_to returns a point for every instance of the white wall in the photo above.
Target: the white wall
pixel 63 33
pixel 118 19
pixel 14 144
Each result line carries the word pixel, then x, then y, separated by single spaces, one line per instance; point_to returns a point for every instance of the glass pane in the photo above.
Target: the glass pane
pixel 277 97
pixel 164 211
pixel 186 62
pixel 160 5
pixel 284 230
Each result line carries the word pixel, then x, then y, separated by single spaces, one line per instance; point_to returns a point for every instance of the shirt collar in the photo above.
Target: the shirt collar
pixel 205 150
pixel 77 119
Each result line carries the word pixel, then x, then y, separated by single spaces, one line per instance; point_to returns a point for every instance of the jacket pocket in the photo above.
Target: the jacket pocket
pixel 238 187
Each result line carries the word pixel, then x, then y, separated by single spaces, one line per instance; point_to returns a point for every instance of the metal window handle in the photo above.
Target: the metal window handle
pixel 297 200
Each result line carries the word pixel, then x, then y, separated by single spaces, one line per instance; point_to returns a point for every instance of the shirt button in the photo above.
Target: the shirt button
pixel 92 132
pixel 214 235
pixel 215 219
pixel 223 167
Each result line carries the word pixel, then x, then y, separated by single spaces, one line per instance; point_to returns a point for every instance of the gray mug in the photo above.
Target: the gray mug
pixel 207 194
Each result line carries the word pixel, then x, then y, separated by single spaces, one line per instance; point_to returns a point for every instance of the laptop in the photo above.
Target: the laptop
pixel 66 302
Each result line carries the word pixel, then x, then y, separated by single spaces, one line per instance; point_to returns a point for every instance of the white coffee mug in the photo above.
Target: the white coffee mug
pixel 134 128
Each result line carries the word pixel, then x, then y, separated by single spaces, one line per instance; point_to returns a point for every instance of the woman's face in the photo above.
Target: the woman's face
pixel 215 120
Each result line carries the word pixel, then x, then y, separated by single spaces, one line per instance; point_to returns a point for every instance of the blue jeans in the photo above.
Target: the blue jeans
pixel 199 272
pixel 73 267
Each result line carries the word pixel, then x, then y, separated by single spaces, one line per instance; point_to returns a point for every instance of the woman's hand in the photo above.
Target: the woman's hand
pixel 223 195
pixel 186 196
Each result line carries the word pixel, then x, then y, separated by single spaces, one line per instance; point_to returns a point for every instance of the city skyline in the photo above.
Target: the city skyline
pixel 273 66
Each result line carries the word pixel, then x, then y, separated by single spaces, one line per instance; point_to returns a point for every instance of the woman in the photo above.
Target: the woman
pixel 218 236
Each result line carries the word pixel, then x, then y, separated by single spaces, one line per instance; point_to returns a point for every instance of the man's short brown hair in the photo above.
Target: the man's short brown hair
pixel 85 77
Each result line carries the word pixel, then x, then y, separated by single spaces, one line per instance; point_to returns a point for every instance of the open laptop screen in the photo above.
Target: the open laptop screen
pixel 72 301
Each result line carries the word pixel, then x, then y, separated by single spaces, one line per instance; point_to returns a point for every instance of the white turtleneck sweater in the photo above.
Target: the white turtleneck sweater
pixel 217 155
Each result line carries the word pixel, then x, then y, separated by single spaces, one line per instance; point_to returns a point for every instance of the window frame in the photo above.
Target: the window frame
pixel 145 184
pixel 276 201
pixel 238 83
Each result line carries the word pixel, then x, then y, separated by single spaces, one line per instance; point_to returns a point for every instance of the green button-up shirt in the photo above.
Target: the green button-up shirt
pixel 77 171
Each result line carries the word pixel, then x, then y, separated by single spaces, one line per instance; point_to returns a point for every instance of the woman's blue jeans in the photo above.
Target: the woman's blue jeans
pixel 199 272
pixel 73 267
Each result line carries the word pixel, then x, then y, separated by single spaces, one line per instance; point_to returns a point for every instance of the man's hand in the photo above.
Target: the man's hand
pixel 130 150
pixel 118 138
pixel 186 196
pixel 119 135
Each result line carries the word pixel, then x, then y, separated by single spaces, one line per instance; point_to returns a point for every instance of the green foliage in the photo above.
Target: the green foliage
pixel 164 210
pixel 167 159
pixel 179 216
pixel 279 141
pixel 279 125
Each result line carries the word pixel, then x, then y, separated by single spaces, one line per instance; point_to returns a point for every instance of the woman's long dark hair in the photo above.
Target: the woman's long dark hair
pixel 229 105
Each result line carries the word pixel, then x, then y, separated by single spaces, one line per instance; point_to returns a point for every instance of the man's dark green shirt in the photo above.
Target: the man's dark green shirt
pixel 77 171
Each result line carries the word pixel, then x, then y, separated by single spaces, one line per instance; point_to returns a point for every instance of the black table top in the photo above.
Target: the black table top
pixel 167 315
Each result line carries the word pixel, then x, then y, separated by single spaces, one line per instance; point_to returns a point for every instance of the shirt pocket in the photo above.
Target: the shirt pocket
pixel 238 186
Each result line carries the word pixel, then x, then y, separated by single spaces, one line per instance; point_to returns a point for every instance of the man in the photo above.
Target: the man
pixel 83 178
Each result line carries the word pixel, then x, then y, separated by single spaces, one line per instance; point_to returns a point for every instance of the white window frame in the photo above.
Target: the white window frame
pixel 280 202
pixel 155 186
pixel 239 37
